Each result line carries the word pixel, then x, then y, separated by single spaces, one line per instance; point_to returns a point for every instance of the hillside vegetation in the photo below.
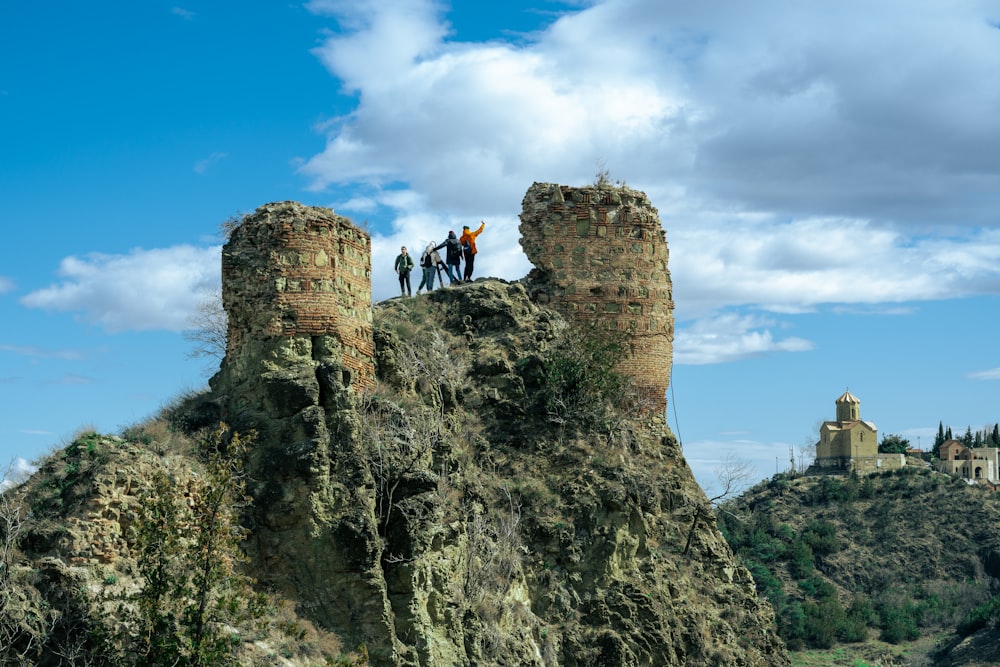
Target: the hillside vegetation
pixel 891 557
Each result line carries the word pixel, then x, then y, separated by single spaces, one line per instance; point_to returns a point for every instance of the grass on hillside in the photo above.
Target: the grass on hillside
pixel 872 653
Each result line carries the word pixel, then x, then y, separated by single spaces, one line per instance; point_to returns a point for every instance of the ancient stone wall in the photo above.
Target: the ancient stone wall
pixel 603 254
pixel 292 270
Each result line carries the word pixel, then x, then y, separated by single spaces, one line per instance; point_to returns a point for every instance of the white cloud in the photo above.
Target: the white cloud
pixel 201 166
pixel 143 290
pixel 767 107
pixel 16 472
pixel 798 265
pixel 6 284
pixel 42 353
pixel 730 337
pixel 991 374
pixel 185 14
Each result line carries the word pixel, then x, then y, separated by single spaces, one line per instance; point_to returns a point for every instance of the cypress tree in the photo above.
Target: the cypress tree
pixel 939 438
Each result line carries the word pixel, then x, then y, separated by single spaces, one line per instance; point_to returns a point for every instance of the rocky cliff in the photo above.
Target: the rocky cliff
pixel 447 518
pixel 477 487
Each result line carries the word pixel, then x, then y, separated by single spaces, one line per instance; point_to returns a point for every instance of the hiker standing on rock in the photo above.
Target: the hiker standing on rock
pixel 468 241
pixel 453 256
pixel 404 263
pixel 428 262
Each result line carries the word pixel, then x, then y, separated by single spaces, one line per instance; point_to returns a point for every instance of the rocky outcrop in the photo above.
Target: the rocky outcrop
pixel 444 519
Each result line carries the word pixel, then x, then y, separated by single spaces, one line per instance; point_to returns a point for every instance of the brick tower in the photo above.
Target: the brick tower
pixel 602 253
pixel 290 270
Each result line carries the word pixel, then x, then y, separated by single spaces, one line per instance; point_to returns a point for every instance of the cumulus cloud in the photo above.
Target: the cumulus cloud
pixel 797 163
pixel 141 290
pixel 796 266
pixel 731 337
pixel 763 107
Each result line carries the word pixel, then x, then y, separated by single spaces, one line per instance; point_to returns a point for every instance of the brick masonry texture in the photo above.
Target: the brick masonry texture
pixel 300 271
pixel 603 254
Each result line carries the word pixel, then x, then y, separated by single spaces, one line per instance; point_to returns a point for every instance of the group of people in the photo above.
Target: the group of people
pixel 457 249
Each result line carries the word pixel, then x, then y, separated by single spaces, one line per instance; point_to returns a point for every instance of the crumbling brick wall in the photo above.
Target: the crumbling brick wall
pixel 293 270
pixel 602 254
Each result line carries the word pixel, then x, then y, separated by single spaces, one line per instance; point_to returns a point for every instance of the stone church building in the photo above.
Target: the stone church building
pixel 850 444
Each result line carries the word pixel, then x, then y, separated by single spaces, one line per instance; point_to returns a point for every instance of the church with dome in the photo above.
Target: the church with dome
pixel 850 444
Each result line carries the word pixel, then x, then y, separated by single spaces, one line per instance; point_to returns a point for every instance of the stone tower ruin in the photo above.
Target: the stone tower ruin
pixel 300 271
pixel 601 254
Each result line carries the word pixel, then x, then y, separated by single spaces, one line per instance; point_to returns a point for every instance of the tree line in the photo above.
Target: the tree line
pixel 987 436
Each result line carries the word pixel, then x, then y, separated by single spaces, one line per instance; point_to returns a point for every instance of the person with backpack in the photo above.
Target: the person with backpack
pixel 468 241
pixel 404 263
pixel 428 262
pixel 453 256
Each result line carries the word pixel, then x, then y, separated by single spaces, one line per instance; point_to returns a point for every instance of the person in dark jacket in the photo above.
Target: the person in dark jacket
pixel 403 266
pixel 453 257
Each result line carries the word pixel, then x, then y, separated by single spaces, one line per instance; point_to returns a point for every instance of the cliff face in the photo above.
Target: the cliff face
pixel 469 477
pixel 449 517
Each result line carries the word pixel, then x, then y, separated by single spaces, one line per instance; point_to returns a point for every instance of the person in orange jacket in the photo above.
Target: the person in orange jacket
pixel 468 241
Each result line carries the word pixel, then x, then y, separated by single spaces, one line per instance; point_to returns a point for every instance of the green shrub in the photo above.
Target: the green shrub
pixel 800 563
pixel 822 621
pixel 988 613
pixel 792 625
pixel 898 623
pixel 767 584
pixel 579 374
pixel 821 536
pixel 188 542
pixel 817 588
pixel 763 547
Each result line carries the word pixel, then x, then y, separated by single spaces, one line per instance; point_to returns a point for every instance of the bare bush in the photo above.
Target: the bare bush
pixel 434 365
pixel 734 475
pixel 399 443
pixel 12 631
pixel 582 383
pixel 493 562
pixel 208 328
pixel 494 553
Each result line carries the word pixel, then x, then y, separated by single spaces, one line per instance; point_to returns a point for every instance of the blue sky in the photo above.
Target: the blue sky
pixel 828 174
